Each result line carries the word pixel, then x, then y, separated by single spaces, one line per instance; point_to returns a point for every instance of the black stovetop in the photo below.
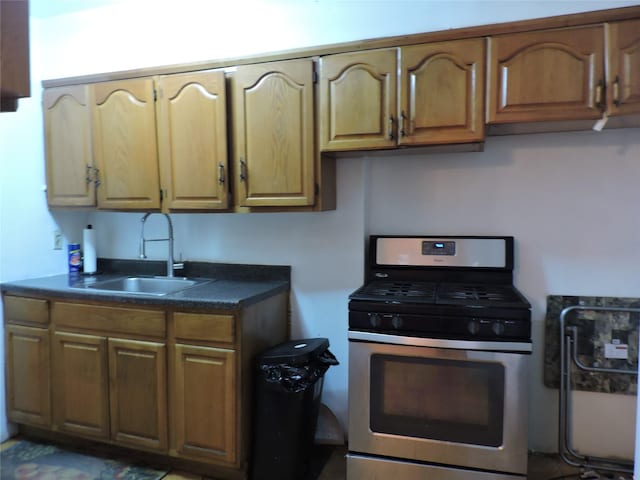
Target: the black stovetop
pixel 440 293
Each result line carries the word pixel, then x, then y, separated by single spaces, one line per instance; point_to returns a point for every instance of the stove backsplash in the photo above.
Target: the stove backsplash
pixel 598 331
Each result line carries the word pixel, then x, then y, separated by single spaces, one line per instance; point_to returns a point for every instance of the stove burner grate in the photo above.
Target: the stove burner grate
pixel 476 293
pixel 423 290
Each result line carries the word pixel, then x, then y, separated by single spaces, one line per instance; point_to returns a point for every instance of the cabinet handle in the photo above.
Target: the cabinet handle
pixel 599 89
pixel 616 91
pixel 243 170
pixel 96 176
pixel 221 178
pixel 89 172
pixel 403 120
pixel 390 135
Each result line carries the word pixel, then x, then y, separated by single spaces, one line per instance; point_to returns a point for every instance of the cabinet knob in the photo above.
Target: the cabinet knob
pixel 390 134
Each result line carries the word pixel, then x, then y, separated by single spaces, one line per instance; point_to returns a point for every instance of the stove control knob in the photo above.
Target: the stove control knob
pixel 498 328
pixel 396 321
pixel 375 320
pixel 473 326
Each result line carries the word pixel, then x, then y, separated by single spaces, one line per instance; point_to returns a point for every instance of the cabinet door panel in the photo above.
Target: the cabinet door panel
pixel 274 134
pixel 624 67
pixel 27 368
pixel 125 144
pixel 193 140
pixel 69 162
pixel 205 403
pixel 80 385
pixel 547 75
pixel 138 393
pixel 442 86
pixel 358 100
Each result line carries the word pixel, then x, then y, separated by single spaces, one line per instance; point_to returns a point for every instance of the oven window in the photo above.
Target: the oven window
pixel 453 400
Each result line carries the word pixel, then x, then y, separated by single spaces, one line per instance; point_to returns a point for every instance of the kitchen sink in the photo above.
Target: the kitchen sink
pixel 146 285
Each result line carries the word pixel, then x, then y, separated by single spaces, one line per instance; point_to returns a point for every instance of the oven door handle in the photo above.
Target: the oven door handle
pixel 487 346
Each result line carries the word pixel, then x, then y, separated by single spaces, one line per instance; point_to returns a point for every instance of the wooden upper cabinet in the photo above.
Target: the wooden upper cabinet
pixel 415 95
pixel 124 134
pixel 358 100
pixel 69 162
pixel 623 74
pixel 192 136
pixel 14 53
pixel 442 93
pixel 546 75
pixel 273 132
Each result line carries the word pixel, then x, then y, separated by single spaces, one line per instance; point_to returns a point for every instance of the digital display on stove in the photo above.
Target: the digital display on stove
pixel 430 247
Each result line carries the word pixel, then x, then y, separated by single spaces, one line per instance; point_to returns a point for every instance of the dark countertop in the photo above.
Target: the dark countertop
pixel 233 286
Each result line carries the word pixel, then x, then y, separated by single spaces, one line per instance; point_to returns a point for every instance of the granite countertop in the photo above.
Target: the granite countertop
pixel 233 285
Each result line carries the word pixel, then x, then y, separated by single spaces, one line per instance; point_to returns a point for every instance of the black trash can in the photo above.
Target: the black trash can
pixel 287 400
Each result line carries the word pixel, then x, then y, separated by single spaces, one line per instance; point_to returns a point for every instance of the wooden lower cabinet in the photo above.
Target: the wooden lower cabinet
pixel 205 403
pixel 147 378
pixel 27 368
pixel 138 393
pixel 80 385
pixel 105 386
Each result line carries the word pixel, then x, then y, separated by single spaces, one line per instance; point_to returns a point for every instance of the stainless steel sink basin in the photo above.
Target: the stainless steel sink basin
pixel 147 285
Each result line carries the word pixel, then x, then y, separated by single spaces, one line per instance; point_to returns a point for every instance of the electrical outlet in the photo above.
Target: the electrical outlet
pixel 57 240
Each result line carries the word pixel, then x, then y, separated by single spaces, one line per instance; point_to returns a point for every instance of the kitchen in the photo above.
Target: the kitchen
pixel 567 198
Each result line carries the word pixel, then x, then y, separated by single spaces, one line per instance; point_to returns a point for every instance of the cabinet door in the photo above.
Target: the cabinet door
pixel 192 116
pixel 205 412
pixel 14 55
pixel 80 383
pixel 442 93
pixel 138 393
pixel 624 67
pixel 69 162
pixel 27 369
pixel 358 100
pixel 124 133
pixel 547 75
pixel 273 123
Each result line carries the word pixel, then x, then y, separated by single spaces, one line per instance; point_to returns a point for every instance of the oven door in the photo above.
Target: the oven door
pixel 453 403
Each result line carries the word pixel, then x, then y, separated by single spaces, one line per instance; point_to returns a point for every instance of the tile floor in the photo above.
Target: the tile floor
pixel 541 467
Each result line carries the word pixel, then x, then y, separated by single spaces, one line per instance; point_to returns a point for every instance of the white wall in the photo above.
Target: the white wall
pixel 26 226
pixel 538 188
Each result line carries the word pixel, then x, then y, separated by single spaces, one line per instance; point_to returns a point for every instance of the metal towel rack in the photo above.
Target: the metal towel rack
pixel 568 354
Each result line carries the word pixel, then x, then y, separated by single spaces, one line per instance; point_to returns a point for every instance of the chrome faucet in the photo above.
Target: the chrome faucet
pixel 171 265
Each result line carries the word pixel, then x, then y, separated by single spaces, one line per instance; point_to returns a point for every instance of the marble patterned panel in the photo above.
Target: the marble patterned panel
pixel 596 330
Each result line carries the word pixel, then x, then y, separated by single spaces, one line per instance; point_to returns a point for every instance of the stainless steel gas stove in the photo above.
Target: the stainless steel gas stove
pixel 439 339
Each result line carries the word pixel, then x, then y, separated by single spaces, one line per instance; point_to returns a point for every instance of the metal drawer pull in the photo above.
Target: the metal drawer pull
pixel 221 177
pixel 243 170
pixel 599 89
pixel 616 92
